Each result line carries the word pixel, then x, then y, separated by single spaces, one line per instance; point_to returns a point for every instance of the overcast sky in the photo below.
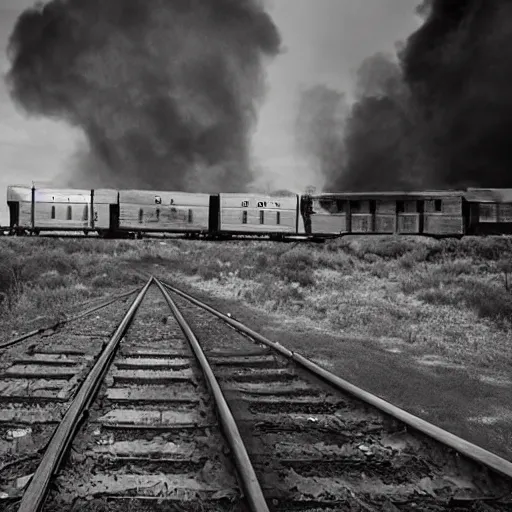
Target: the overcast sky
pixel 325 41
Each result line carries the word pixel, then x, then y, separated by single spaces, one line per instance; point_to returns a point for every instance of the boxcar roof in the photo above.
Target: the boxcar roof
pixel 391 195
pixel 19 193
pixel 489 195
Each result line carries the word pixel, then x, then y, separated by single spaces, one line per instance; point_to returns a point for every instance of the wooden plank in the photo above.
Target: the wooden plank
pixel 147 418
pixel 50 359
pixel 39 371
pixel 131 363
pixel 157 376
pixel 154 394
pixel 30 416
pixel 156 353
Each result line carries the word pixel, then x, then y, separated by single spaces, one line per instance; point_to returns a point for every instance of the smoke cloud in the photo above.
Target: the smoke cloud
pixel 437 114
pixel 319 129
pixel 165 91
pixel 458 65
pixel 371 145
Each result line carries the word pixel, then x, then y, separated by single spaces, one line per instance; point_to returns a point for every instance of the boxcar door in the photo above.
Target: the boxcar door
pixel 213 218
pixel 114 217
pixel 14 213
pixel 421 211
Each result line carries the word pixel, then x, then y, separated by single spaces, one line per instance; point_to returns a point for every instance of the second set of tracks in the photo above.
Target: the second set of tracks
pixel 181 408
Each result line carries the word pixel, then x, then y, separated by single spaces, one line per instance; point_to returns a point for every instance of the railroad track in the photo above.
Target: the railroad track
pixel 182 410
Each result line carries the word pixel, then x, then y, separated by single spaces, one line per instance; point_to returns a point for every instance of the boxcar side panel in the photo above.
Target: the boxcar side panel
pixel 148 210
pixel 362 222
pixel 385 223
pixel 329 224
pixel 61 216
pixel 140 217
pixel 438 224
pixel 408 223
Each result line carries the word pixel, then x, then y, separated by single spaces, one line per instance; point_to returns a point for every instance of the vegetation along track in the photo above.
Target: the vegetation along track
pixel 318 445
pixel 140 432
pixel 137 429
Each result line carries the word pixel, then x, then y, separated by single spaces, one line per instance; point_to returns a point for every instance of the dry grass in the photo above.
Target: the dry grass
pixel 449 298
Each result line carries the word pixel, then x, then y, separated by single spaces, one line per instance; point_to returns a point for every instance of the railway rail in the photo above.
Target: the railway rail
pixel 176 406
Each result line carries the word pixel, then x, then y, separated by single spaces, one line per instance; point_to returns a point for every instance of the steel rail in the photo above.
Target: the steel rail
pixel 35 494
pixel 250 482
pixel 469 450
pixel 70 319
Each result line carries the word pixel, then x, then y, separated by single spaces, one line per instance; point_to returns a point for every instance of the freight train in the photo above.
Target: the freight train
pixel 134 213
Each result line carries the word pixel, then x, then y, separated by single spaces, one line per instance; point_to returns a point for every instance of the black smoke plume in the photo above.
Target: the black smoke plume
pixel 371 145
pixel 459 68
pixel 166 91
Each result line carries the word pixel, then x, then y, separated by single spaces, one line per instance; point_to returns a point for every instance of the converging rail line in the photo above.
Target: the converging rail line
pixel 140 409
pixel 140 432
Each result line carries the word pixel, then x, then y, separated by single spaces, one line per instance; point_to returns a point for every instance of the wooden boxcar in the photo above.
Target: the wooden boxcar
pixel 259 214
pixel 432 213
pixel 153 211
pixel 490 211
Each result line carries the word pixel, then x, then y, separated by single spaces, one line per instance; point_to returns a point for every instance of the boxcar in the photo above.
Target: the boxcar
pixel 259 214
pixel 490 211
pixel 433 213
pixel 153 211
